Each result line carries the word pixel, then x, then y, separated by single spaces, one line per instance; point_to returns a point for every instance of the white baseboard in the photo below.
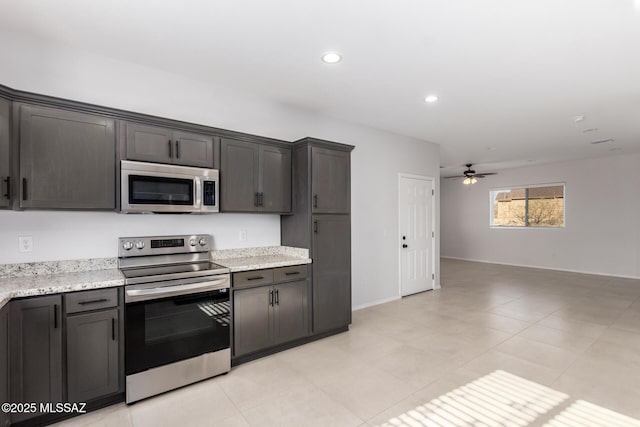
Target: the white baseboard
pixel 595 273
pixel 371 304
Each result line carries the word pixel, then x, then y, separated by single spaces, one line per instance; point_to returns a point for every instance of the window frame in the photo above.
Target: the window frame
pixel 522 187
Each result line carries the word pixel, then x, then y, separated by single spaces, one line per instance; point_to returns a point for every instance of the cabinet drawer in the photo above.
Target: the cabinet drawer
pixel 295 272
pixel 91 300
pixel 252 278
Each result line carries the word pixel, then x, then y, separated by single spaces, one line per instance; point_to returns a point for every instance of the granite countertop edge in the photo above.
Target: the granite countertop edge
pixel 248 265
pixel 49 284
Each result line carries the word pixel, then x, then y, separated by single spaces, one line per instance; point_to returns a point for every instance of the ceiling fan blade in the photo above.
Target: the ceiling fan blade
pixel 482 175
pixel 457 176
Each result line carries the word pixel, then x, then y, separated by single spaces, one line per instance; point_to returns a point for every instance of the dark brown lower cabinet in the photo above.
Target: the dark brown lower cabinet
pixel 4 362
pixel 269 315
pixel 331 249
pixel 92 355
pixel 35 360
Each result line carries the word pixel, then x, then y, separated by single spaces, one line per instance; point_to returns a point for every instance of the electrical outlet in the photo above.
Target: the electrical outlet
pixel 243 235
pixel 25 243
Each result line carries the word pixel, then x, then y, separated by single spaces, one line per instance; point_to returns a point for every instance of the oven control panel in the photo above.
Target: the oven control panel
pixel 163 245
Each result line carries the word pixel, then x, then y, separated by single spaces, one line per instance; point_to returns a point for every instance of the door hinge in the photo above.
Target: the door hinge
pixel 433 276
pixel 433 234
pixel 433 192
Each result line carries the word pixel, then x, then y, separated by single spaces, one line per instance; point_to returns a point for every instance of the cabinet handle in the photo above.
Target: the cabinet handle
pixel 24 188
pixel 7 195
pixel 261 199
pixel 292 273
pixel 113 328
pixel 177 149
pixel 255 278
pixel 170 149
pixel 315 226
pixel 55 316
pixel 93 301
pixel 315 200
pixel 277 297
pixel 256 201
pixel 271 298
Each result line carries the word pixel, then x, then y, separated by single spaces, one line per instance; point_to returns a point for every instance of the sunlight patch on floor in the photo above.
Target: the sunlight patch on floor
pixel 504 399
pixel 582 413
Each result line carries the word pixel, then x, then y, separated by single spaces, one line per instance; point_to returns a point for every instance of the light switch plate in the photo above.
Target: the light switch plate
pixel 243 235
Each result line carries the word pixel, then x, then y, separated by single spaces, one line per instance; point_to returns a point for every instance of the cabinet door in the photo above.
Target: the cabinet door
pixel 239 176
pixel 149 143
pixel 35 352
pixel 252 320
pixel 67 160
pixel 4 362
pixel 330 181
pixel 5 180
pixel 193 150
pixel 291 320
pixel 92 355
pixel 275 179
pixel 331 255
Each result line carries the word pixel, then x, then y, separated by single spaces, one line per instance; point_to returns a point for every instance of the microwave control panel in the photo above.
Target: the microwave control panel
pixel 209 193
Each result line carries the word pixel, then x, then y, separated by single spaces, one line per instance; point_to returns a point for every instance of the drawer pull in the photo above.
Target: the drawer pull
pixel 255 278
pixel 93 301
pixel 291 273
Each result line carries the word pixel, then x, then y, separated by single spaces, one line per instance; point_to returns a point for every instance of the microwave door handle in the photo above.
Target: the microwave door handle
pixel 198 198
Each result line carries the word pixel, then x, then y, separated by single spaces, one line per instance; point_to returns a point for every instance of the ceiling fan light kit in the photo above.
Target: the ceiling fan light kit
pixel 469 180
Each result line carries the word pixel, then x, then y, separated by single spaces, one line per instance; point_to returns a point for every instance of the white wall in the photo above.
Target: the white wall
pixel 376 161
pixel 602 234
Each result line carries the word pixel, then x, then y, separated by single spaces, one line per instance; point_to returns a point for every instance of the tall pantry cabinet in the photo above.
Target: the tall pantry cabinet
pixel 321 222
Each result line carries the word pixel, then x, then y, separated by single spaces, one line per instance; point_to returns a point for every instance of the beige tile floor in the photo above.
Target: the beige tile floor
pixel 563 349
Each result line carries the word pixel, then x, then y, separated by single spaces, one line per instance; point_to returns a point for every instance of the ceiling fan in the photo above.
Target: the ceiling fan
pixel 470 175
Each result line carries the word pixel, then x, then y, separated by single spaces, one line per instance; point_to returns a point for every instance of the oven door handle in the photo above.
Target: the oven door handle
pixel 168 291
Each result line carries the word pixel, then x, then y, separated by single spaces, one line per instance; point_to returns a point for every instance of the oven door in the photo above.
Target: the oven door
pixel 173 321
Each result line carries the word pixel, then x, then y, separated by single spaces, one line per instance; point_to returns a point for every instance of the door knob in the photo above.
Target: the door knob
pixel 404 245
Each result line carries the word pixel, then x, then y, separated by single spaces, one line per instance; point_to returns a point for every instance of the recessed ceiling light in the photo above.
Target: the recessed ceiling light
pixel 331 57
pixel 578 119
pixel 431 98
pixel 589 130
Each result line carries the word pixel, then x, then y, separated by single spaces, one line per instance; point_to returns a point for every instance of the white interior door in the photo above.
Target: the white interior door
pixel 416 234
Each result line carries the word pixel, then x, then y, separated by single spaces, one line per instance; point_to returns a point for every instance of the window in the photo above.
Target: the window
pixel 533 206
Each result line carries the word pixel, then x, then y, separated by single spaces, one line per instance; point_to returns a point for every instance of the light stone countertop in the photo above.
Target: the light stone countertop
pixel 260 262
pixel 246 259
pixel 46 284
pixel 53 277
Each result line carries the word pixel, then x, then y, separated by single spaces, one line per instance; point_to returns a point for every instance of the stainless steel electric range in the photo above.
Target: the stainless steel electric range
pixel 177 313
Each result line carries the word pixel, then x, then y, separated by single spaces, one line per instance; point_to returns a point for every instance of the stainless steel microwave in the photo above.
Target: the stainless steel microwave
pixel 154 187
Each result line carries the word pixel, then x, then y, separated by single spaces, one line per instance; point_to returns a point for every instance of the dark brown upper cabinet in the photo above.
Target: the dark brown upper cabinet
pixel 5 174
pixel 163 145
pixel 67 159
pixel 330 181
pixel 255 177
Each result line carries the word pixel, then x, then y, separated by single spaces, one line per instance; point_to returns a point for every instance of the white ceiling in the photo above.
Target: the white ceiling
pixel 510 74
